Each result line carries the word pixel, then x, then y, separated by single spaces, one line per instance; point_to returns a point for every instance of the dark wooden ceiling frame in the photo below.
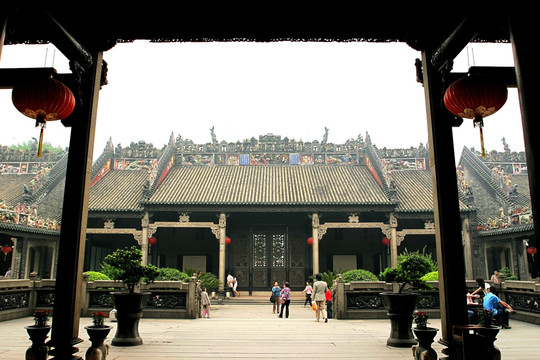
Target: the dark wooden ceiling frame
pixel 440 34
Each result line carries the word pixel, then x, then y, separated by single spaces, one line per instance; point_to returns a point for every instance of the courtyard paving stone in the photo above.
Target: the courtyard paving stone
pixel 238 331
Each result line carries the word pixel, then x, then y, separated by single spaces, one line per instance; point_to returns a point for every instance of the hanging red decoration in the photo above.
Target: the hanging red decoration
pixel 43 100
pixel 475 97
pixel 6 249
pixel 310 241
pixel 531 250
pixel 386 241
pixel 151 241
pixel 227 240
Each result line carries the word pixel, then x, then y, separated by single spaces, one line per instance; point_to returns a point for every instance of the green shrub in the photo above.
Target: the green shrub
pixel 507 274
pixel 209 281
pixel 172 274
pixel 412 266
pixel 359 275
pixel 125 265
pixel 328 277
pixel 95 275
pixel 431 276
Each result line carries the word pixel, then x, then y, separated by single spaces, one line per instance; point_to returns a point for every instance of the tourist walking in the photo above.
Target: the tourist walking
pixel 318 294
pixel 328 295
pixel 308 289
pixel 276 293
pixel 285 295
pixel 205 303
pixel 234 285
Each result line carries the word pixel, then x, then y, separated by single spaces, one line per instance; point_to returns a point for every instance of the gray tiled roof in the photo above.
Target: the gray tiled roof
pixel 11 189
pixel 118 191
pixel 269 185
pixel 414 191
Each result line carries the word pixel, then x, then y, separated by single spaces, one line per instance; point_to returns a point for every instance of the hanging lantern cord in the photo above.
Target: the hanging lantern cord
pixel 40 121
pixel 478 120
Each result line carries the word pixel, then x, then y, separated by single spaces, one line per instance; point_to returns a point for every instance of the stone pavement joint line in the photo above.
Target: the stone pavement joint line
pixel 252 332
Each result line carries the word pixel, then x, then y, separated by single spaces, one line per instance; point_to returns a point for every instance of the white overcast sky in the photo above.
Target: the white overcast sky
pixel 246 89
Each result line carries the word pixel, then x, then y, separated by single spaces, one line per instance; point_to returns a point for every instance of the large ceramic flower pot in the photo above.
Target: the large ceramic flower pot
pixel 97 335
pixel 425 337
pixel 129 310
pixel 400 309
pixel 37 334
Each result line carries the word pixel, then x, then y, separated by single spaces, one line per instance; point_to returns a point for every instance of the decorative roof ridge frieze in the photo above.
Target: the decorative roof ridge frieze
pixel 55 175
pixel 485 174
pixel 106 155
pixel 158 173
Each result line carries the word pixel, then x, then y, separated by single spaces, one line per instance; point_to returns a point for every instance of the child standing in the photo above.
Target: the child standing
pixel 205 303
pixel 308 290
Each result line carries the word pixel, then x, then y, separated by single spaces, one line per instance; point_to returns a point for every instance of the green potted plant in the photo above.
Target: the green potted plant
pixel 400 305
pixel 125 265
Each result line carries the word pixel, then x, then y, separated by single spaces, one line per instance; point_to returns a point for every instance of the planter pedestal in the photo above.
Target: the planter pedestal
pixel 38 350
pixel 400 308
pixel 425 336
pixel 98 350
pixel 129 310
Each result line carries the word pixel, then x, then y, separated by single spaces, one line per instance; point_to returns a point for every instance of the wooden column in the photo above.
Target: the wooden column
pixel 222 236
pixel 65 324
pixel 393 241
pixel 144 238
pixel 466 231
pixel 315 246
pixel 523 36
pixel 446 207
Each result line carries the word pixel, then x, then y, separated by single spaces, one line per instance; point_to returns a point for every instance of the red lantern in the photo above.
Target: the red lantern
pixel 531 250
pixel 227 240
pixel 6 249
pixel 386 241
pixel 43 100
pixel 151 241
pixel 310 241
pixel 475 97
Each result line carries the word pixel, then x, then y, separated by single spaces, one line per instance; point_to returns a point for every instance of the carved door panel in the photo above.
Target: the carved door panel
pixel 269 258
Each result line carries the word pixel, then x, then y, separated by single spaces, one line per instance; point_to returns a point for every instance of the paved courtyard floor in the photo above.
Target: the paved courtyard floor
pixel 237 331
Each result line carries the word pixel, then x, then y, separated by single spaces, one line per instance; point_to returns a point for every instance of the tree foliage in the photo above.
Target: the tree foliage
pixel 412 266
pixel 358 275
pixel 125 265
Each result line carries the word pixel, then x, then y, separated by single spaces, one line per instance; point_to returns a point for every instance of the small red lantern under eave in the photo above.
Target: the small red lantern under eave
pixel 227 240
pixel 531 250
pixel 151 241
pixel 385 241
pixel 44 100
pixel 6 249
pixel 475 97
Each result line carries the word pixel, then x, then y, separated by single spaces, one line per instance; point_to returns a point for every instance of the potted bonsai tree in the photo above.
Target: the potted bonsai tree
pixel 400 305
pixel 125 265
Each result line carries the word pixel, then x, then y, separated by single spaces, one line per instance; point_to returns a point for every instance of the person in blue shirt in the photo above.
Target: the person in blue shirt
pixel 492 302
pixel 276 293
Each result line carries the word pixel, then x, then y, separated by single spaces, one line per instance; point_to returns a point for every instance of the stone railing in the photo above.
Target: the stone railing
pixel 167 299
pixel 361 299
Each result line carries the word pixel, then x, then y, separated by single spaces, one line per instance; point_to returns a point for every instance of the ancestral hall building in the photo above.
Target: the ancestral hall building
pixel 254 207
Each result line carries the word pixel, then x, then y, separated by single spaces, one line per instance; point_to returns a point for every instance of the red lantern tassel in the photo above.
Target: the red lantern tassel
pixel 482 142
pixel 40 145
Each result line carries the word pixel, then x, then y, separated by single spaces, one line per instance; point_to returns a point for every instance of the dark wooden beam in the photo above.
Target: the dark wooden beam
pixel 450 254
pixel 522 23
pixel 66 311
